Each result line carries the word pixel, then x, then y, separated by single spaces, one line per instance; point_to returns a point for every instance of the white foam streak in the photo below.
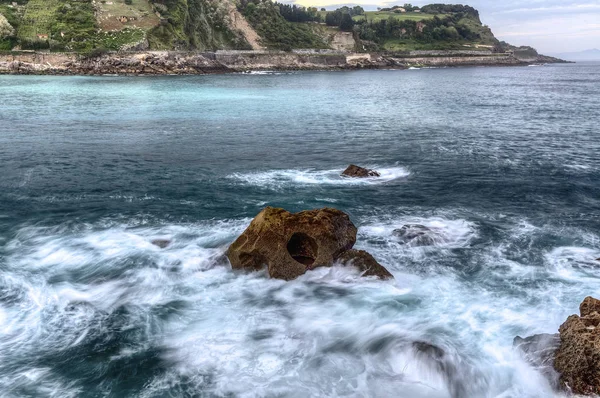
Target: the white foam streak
pixel 330 332
pixel 277 179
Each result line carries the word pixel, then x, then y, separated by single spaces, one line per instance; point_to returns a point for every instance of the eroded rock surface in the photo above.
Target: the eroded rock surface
pixel 365 263
pixel 292 243
pixel 415 235
pixel 578 356
pixel 539 351
pixel 359 172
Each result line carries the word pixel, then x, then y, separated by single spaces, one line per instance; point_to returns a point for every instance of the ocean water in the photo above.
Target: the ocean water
pixel 503 164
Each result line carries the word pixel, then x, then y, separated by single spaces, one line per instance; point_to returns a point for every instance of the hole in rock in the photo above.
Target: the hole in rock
pixel 302 248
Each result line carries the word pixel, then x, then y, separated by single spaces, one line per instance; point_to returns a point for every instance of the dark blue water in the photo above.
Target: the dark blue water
pixel 502 163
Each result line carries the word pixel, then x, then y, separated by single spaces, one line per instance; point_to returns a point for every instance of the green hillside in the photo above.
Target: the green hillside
pixel 84 25
pixel 87 25
pixel 39 18
pixel 194 24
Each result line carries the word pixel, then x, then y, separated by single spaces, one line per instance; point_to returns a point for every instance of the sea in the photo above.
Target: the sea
pixel 501 164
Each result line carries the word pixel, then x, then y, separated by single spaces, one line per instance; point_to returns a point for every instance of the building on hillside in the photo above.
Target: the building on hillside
pixel 42 36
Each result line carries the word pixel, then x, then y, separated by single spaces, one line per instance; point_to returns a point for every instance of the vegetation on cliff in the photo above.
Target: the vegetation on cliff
pixel 86 25
pixel 276 31
pixel 194 24
pixel 436 26
pixel 89 26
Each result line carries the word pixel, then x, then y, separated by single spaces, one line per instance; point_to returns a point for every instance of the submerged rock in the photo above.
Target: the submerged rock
pixel 359 172
pixel 539 351
pixel 292 243
pixel 578 356
pixel 365 263
pixel 445 365
pixel 415 235
pixel 162 243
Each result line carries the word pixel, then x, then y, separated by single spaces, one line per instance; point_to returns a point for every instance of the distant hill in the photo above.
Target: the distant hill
pixel 586 55
pixel 94 26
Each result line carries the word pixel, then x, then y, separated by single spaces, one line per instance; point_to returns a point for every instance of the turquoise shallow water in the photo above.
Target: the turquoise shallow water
pixel 502 163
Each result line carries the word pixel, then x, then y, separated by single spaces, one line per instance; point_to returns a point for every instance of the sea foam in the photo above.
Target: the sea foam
pixel 277 179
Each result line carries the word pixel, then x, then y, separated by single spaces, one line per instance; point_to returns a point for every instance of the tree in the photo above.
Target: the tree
pixel 347 23
pixel 357 10
pixel 330 19
pixel 323 9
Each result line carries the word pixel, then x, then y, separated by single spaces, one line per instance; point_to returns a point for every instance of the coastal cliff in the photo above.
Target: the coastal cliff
pixel 204 36
pixel 173 62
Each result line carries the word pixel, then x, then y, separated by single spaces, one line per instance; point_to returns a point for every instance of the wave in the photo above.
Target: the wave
pixel 574 263
pixel 444 232
pixel 183 321
pixel 277 179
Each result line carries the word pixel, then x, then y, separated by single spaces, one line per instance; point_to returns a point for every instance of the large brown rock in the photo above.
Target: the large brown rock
pixel 365 263
pixel 359 172
pixel 292 243
pixel 578 356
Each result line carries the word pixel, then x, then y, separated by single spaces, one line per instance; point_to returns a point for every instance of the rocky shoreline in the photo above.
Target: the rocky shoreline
pixel 198 63
pixel 569 359
pixel 291 244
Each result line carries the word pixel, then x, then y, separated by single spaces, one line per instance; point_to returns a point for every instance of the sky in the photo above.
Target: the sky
pixel 551 26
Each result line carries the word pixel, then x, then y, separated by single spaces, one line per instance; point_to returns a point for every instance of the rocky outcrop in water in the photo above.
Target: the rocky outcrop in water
pixel 570 360
pixel 539 351
pixel 365 262
pixel 292 243
pixel 578 356
pixel 359 172
pixel 162 243
pixel 415 235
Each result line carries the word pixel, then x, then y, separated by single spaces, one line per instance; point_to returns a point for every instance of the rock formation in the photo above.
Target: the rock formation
pixel 415 235
pixel 359 172
pixel 292 243
pixel 539 351
pixel 578 356
pixel 365 263
pixel 162 243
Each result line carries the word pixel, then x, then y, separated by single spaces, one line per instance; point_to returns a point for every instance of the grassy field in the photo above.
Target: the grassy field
pixel 397 45
pixel 38 18
pixel 374 16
